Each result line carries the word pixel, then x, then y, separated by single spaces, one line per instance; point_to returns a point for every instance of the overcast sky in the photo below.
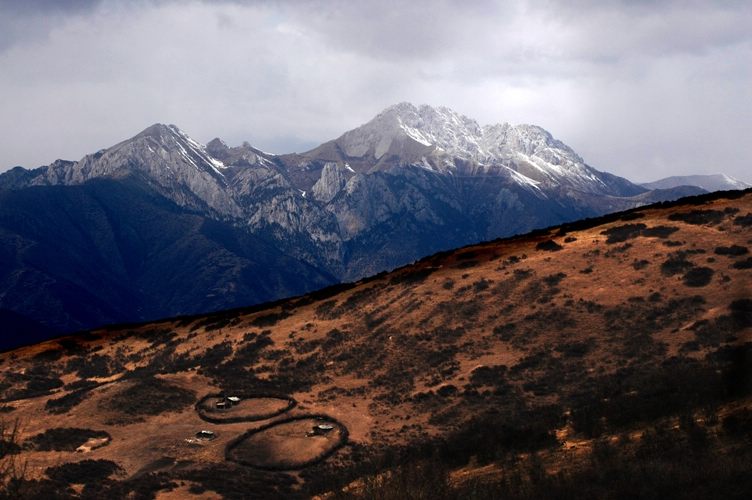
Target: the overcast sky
pixel 643 89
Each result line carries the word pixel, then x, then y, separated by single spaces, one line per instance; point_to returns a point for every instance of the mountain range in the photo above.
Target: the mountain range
pixel 161 225
pixel 714 182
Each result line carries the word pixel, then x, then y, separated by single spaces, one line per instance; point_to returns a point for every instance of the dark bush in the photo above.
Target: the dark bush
pixel 574 349
pixel 732 251
pixel 743 220
pixel 466 255
pixel 631 216
pixel 326 310
pixel 269 319
pixel 83 472
pixel 62 439
pixel 467 264
pixel 743 264
pixel 659 231
pixel 237 482
pixel 149 396
pixel 213 356
pixel 48 355
pixel 489 376
pixel 35 385
pixel 618 250
pixel 554 279
pixel 623 233
pixel 446 390
pixel 490 436
pixel 676 263
pixel 505 332
pixel 96 365
pixel 480 285
pixel 413 277
pixel 212 323
pixel 549 246
pixel 334 338
pixel 64 404
pixel 699 217
pixel 698 276
pixel 738 423
pixel 640 264
pixel 521 274
pixel 741 313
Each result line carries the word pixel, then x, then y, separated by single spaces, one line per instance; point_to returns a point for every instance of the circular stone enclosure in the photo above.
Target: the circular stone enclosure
pixel 250 408
pixel 289 444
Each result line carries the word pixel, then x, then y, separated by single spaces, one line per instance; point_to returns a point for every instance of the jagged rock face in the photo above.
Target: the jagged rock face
pixel 162 155
pixel 333 179
pixel 412 181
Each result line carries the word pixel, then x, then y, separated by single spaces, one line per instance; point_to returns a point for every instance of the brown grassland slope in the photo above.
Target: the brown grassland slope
pixel 606 358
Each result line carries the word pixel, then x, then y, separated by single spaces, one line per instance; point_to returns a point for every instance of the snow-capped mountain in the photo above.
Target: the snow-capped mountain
pixel 442 140
pixel 160 224
pixel 713 182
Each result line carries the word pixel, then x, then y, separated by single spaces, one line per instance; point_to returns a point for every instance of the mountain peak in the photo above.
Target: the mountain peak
pixel 157 130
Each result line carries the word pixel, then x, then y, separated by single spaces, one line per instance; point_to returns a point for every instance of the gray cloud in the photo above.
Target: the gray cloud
pixel 642 89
